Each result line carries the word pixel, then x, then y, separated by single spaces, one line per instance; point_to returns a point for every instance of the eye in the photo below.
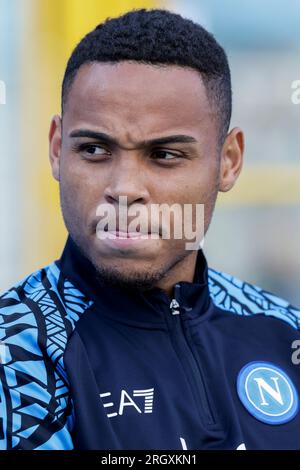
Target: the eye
pixel 165 155
pixel 93 149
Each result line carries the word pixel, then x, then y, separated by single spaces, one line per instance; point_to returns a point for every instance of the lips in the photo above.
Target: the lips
pixel 132 234
pixel 122 234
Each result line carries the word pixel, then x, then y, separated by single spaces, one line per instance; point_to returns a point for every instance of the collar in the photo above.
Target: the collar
pixel 130 305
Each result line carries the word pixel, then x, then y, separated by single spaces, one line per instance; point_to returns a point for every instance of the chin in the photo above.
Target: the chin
pixel 129 278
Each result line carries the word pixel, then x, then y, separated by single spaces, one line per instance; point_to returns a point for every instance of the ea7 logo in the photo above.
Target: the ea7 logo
pixel 2 92
pixel 140 400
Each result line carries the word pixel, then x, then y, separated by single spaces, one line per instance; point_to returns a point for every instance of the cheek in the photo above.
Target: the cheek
pixel 195 184
pixel 81 186
pixel 196 192
pixel 203 185
pixel 201 188
pixel 74 202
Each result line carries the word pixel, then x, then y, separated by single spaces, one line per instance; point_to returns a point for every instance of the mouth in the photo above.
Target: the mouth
pixel 127 240
pixel 124 235
pixel 129 234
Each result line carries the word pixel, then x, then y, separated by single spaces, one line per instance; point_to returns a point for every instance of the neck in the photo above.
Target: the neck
pixel 184 271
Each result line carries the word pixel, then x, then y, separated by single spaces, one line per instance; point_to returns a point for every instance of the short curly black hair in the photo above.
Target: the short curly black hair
pixel 158 37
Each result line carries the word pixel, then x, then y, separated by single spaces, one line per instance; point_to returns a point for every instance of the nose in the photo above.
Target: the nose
pixel 127 178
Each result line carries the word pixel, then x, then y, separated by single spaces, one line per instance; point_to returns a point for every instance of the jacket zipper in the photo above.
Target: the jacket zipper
pixel 188 358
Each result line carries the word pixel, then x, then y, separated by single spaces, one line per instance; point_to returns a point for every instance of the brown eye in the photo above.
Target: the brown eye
pixel 164 155
pixel 94 150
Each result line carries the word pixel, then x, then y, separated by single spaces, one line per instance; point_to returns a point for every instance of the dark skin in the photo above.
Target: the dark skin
pixel 107 146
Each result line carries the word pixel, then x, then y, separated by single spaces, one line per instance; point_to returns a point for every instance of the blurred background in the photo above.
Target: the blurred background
pixel 255 233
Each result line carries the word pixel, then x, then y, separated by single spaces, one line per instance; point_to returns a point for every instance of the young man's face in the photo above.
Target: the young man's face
pixel 133 104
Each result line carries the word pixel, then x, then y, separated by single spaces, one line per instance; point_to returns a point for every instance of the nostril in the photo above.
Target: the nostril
pixel 111 199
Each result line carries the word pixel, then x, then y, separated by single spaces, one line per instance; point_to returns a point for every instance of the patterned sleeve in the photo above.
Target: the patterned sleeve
pixel 35 406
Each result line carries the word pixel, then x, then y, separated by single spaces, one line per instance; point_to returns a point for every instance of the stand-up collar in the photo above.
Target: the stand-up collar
pixel 130 304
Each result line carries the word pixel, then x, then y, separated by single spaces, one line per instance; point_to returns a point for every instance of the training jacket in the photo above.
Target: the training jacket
pixel 85 365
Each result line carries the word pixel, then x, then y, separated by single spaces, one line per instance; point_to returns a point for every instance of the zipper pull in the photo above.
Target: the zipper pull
pixel 174 306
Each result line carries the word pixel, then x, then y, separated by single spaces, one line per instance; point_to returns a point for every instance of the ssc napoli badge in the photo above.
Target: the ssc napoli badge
pixel 267 393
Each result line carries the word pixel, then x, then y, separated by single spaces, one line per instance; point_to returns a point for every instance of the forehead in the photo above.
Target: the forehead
pixel 150 98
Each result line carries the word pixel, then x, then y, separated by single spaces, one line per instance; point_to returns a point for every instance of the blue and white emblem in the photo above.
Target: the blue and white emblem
pixel 267 393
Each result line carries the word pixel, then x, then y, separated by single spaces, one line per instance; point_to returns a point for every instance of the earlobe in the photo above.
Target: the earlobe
pixel 55 139
pixel 231 159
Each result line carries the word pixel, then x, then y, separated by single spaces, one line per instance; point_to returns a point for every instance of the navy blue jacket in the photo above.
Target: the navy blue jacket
pixel 85 365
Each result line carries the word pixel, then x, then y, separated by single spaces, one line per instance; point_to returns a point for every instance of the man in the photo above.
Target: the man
pixel 129 341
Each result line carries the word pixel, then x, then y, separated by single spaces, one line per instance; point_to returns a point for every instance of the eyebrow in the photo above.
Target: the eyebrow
pixel 103 137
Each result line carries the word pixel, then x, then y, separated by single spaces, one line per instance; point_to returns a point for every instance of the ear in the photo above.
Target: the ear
pixel 55 139
pixel 231 159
